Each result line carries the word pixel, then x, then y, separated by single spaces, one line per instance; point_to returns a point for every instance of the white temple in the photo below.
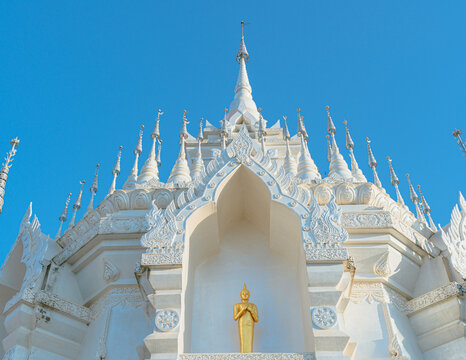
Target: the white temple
pixel 337 268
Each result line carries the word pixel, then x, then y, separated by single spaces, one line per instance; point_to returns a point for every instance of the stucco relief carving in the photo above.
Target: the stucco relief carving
pixel 110 271
pixel 376 291
pixel 115 225
pixel 455 237
pixel 124 296
pixel 251 356
pixel 34 244
pixel 324 317
pixel 382 265
pixel 166 319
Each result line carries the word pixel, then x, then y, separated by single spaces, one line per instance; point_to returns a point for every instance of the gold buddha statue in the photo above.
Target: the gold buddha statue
pixel 246 313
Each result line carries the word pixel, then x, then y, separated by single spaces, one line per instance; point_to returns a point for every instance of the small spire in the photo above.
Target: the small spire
pixel 150 171
pixel 242 51
pixel 355 170
pixel 426 209
pixel 63 216
pixel 224 129
pixel 307 169
pixel 77 205
pixel 414 198
pixel 329 150
pixel 242 102
pixel 261 131
pixel 6 168
pixel 301 127
pixel 93 189
pixel 289 163
pixel 133 176
pixel 373 164
pixel 200 134
pixel 198 163
pixel 394 180
pixel 115 172
pixel 159 155
pixel 180 174
pixel 338 167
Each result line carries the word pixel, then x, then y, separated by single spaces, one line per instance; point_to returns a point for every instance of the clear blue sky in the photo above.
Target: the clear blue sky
pixel 77 79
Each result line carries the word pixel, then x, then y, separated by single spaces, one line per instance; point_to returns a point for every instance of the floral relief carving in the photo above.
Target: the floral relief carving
pixel 251 356
pixel 382 265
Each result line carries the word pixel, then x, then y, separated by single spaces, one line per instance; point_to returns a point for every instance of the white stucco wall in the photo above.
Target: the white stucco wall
pixel 273 282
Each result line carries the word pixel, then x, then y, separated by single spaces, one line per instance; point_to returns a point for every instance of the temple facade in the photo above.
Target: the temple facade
pixel 336 268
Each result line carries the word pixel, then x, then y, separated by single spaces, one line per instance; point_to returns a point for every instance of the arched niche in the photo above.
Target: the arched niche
pixel 244 237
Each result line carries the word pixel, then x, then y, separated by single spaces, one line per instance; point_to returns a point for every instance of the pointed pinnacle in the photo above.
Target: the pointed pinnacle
pixel 77 203
pixel 159 156
pixel 331 127
pixel 349 140
pixel 64 213
pixel 156 132
pixel 286 133
pixel 329 152
pixel 412 192
pixel 200 135
pixel 138 148
pixel 372 161
pixel 116 168
pixel 425 206
pixel 94 186
pixel 393 178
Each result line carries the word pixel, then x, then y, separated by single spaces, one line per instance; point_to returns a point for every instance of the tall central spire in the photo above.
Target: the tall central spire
pixel 243 109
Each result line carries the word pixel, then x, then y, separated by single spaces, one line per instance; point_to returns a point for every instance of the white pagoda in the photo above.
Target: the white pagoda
pixel 337 268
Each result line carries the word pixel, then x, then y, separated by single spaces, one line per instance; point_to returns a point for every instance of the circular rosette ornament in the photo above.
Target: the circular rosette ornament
pixel 324 317
pixel 166 320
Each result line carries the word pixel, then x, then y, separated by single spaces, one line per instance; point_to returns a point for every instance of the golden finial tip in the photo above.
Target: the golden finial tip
pixel 259 109
pixel 327 107
pixel 367 139
pixel 121 147
pixel 284 117
pixel 388 158
pixel 345 122
pixel 407 175
pixel 142 127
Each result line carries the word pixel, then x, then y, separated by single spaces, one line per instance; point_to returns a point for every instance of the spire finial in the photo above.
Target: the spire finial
pixel 156 132
pixel 6 168
pixel 394 180
pixel 338 167
pixel 180 174
pixel 331 126
pixel 159 155
pixel 373 164
pixel 261 131
pixel 63 216
pixel 301 128
pixel 355 170
pixel 200 134
pixel 289 163
pixel 77 205
pixel 198 167
pixel 242 52
pixel 329 152
pixel 130 182
pixel 150 171
pixel 93 189
pixel 115 172
pixel 426 209
pixel 414 198
pixel 224 129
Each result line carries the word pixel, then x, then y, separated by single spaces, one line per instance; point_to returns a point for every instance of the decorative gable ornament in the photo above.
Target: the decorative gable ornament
pixel 322 232
pixel 34 244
